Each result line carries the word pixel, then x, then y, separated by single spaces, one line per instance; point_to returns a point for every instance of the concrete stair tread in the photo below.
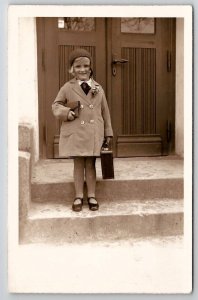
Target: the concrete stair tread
pixel 122 208
pixel 144 199
pixel 59 170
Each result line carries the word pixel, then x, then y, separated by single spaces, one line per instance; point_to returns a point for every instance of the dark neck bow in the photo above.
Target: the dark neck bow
pixel 85 87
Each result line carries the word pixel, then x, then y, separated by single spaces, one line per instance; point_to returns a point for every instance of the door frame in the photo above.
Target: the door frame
pixel 40 29
pixel 40 26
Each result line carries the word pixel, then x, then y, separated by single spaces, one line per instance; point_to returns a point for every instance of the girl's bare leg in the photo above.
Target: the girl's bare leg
pixel 79 166
pixel 90 175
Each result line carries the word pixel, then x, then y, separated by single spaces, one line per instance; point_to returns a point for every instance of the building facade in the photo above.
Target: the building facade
pixel 139 64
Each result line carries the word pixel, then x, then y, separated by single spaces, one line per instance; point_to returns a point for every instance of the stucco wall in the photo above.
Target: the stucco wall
pixel 179 118
pixel 28 82
pixel 27 68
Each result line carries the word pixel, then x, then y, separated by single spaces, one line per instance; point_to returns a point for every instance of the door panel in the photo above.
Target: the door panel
pixel 133 59
pixel 138 91
pixel 138 100
pixel 58 44
pixel 142 81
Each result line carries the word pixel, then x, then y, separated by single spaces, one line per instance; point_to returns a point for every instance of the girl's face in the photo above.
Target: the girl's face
pixel 81 68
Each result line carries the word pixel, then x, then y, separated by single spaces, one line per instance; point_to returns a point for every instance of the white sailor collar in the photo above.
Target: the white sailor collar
pixel 88 82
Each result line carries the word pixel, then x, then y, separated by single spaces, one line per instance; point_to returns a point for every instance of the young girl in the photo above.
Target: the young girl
pixel 82 136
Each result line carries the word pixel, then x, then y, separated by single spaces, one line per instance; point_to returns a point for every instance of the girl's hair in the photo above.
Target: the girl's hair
pixel 71 70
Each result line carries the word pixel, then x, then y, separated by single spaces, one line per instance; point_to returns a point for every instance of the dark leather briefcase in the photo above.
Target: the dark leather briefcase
pixel 106 155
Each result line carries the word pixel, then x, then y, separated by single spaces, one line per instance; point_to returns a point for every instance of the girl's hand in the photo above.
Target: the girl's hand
pixel 71 115
pixel 107 143
pixel 108 139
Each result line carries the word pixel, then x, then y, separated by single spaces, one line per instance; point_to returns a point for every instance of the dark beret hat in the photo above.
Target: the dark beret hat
pixel 79 52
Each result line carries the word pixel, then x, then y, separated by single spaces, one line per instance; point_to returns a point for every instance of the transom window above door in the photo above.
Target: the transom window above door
pixel 138 25
pixel 76 23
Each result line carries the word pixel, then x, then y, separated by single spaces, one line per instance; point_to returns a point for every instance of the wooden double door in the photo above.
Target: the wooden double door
pixel 134 61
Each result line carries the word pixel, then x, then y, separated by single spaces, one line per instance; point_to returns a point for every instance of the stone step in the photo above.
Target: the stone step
pixel 111 190
pixel 52 180
pixel 57 223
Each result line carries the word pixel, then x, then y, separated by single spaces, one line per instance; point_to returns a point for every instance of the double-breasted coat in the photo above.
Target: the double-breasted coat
pixel 85 134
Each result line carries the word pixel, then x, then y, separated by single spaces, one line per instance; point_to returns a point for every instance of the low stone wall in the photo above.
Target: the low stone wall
pixel 25 164
pixel 26 137
pixel 24 184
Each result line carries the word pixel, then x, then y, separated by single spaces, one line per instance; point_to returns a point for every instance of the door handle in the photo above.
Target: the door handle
pixel 116 61
pixel 119 61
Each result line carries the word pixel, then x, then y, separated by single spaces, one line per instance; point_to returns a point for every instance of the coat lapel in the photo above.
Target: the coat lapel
pixel 77 89
pixel 89 98
pixel 94 98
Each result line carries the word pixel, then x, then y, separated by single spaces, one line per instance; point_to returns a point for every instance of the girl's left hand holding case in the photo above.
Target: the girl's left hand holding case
pixel 71 115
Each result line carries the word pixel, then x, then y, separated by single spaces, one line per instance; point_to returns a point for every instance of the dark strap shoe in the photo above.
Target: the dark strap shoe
pixel 93 206
pixel 77 206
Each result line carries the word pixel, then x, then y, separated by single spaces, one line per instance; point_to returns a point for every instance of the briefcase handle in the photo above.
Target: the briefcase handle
pixel 105 146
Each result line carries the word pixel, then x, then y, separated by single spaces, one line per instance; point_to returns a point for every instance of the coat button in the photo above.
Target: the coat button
pixel 91 121
pixel 82 122
pixel 91 106
pixel 82 106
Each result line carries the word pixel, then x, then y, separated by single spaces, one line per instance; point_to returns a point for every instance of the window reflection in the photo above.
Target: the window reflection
pixel 76 24
pixel 137 25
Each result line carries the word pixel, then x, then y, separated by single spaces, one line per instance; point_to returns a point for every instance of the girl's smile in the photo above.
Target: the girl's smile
pixel 81 68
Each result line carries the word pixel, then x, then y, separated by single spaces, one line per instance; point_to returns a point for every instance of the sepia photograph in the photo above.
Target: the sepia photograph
pixel 100 149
